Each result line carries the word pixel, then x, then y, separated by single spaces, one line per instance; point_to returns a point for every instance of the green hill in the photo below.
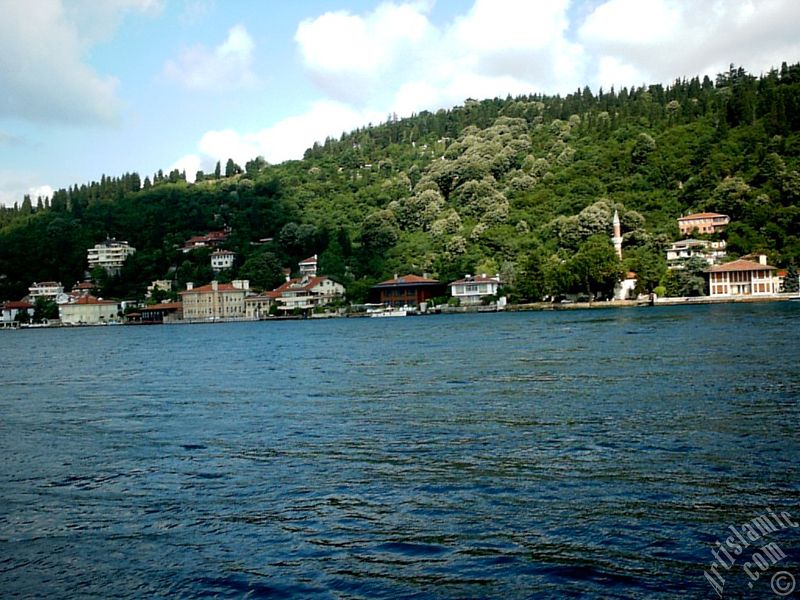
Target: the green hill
pixel 522 186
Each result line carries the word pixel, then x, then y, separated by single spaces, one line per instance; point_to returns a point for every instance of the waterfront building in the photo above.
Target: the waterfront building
pixel 88 310
pixel 164 312
pixel 259 306
pixel 702 223
pixel 215 301
pixel 10 311
pixel 306 293
pixel 743 278
pixel 471 290
pixel 109 255
pixel 408 290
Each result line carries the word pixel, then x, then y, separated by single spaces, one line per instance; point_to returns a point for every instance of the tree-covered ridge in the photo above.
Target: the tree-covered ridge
pixel 522 186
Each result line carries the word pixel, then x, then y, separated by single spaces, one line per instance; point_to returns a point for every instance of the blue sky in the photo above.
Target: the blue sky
pixel 92 87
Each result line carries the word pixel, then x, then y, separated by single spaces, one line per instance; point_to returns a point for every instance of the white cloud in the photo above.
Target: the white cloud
pixel 189 164
pixel 388 55
pixel 662 40
pixel 395 59
pixel 229 65
pixel 14 184
pixel 351 56
pixel 287 139
pixel 43 73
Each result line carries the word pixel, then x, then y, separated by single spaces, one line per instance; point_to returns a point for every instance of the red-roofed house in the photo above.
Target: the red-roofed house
pixel 11 310
pixel 88 310
pixel 703 223
pixel 212 239
pixel 408 290
pixel 743 278
pixel 306 293
pixel 215 301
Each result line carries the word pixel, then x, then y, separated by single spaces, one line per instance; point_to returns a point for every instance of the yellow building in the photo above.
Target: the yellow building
pixel 215 301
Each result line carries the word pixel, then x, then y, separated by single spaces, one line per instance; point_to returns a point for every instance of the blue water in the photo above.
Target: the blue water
pixel 594 454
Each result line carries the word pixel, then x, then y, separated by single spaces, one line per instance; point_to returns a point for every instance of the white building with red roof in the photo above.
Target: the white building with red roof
pixel 306 293
pixel 743 278
pixel 88 310
pixel 10 311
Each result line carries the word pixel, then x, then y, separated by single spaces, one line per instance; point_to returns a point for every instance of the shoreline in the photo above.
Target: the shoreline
pixel 528 307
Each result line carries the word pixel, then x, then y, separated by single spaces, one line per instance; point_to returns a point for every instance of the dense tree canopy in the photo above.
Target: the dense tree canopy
pixel 527 185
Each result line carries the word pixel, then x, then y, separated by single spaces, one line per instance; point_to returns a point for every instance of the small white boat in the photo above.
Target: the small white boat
pixel 389 311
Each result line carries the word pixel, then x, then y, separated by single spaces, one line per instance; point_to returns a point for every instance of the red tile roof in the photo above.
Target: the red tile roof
pixel 222 287
pixel 706 215
pixel 407 280
pixel 739 265
pixel 92 300
pixel 312 260
pixel 296 284
pixel 17 305
pixel 164 306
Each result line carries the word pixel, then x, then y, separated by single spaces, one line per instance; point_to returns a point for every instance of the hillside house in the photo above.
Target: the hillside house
pixel 702 223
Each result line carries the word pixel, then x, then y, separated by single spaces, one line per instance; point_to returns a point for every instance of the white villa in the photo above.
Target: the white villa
pixel 683 250
pixel 743 278
pixel 472 289
pixel 308 267
pixel 50 290
pixel 306 293
pixel 110 255
pixel 222 259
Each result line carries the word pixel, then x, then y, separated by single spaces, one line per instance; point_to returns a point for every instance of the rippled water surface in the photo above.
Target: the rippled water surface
pixel 593 454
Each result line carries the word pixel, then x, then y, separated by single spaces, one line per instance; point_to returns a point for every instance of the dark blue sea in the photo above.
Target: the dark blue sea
pixel 575 454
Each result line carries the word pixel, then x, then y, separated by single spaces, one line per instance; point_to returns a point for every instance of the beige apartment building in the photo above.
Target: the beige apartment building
pixel 215 301
pixel 702 223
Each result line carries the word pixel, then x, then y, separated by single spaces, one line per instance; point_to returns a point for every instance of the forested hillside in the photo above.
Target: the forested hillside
pixel 525 187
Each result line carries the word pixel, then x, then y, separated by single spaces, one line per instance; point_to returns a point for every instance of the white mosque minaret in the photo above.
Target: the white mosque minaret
pixel 617 239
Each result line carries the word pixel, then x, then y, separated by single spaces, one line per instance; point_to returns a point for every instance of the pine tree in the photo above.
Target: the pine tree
pixel 790 282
